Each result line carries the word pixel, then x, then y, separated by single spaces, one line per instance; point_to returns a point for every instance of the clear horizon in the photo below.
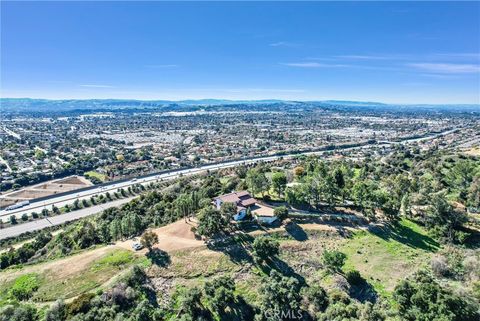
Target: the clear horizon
pixel 393 53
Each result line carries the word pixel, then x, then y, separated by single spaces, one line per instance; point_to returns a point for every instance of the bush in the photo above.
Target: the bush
pixel 20 312
pixel 317 298
pixel 333 260
pixel 35 215
pixel 281 212
pixel 80 304
pixel 136 277
pixel 422 298
pixel 57 311
pixel 13 219
pixel 264 248
pixel 24 217
pixel 24 286
pixel 439 265
pixel 341 283
pixel 354 277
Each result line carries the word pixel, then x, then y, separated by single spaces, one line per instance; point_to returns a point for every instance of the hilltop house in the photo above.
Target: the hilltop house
pixel 243 200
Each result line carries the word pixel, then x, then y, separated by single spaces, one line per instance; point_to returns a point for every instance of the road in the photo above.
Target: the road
pixel 69 198
pixel 60 201
pixel 59 219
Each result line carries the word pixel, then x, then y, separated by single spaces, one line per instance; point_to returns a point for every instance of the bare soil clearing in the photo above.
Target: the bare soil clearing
pixel 175 236
pixel 45 189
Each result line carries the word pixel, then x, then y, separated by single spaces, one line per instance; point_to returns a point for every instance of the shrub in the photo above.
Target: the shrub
pixel 136 277
pixel 21 312
pixel 57 311
pixel 317 298
pixel 439 265
pixel 333 260
pixel 264 248
pixel 421 298
pixel 341 283
pixel 35 215
pixel 24 286
pixel 24 217
pixel 80 304
pixel 354 277
pixel 281 212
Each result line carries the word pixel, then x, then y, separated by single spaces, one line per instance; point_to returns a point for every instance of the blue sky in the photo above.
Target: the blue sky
pixel 403 52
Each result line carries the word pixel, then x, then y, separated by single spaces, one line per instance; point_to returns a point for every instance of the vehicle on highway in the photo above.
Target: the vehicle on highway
pixel 17 205
pixel 137 246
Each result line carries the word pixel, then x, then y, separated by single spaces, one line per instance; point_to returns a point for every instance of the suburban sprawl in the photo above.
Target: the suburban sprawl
pixel 238 210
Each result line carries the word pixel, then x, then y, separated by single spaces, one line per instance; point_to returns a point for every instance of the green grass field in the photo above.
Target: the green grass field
pixel 54 279
pixel 384 256
pixel 97 175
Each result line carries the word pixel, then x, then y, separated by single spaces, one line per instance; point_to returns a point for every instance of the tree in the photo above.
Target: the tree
pixel 405 206
pixel 228 210
pixel 184 205
pixel 44 212
pixel 329 189
pixel 257 181
pixel 299 171
pixel 473 196
pixel 220 293
pixel 422 298
pixel 76 204
pixel 190 305
pixel 13 219
pixel 57 312
pixel 317 297
pixel 210 222
pixel 116 229
pixel 281 299
pixel 279 182
pixel 264 248
pixel 149 239
pixel 281 212
pixel 18 312
pixel 85 235
pixel 442 218
pixel 333 260
pixel 340 182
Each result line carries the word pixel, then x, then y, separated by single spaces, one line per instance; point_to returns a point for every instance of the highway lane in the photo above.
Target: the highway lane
pixel 39 224
pixel 71 197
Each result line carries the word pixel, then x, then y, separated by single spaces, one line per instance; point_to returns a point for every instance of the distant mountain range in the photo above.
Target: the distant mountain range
pixel 45 105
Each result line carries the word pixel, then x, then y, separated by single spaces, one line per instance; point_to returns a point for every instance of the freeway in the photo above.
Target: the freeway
pixel 59 219
pixel 69 198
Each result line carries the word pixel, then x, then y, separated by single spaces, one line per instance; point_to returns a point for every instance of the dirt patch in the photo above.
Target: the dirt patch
pixel 45 189
pixel 175 236
pixel 62 267
pixel 75 180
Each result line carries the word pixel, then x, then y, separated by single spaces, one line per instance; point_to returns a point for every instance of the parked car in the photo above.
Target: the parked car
pixel 137 246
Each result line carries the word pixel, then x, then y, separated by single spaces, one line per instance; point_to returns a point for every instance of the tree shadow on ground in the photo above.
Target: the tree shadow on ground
pixel 159 257
pixel 405 235
pixel 237 247
pixel 296 231
pixel 363 292
pixel 280 266
pixel 239 310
